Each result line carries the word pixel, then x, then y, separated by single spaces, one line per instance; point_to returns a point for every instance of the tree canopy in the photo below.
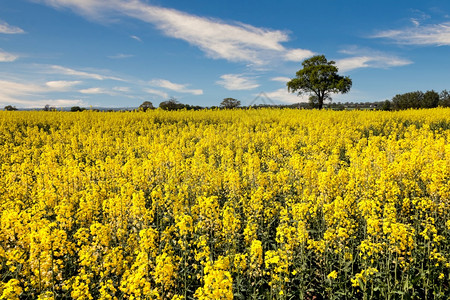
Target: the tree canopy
pixel 146 105
pixel 10 108
pixel 230 103
pixel 76 108
pixel 319 78
pixel 415 99
pixel 171 104
pixel 47 107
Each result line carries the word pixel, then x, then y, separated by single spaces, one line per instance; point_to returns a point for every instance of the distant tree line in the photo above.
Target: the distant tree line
pixel 171 104
pixel 415 100
pixel 418 99
pixel 174 104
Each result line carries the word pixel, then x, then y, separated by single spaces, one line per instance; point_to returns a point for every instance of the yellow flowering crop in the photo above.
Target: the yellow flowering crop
pixel 223 204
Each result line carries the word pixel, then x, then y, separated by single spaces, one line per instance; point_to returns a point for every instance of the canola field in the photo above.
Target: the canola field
pixel 240 204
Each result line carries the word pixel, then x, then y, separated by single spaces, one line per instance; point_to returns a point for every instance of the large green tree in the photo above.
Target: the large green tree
pixel 319 78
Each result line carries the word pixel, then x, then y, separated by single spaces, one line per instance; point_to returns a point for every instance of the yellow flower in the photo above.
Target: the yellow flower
pixel 332 275
pixel 11 290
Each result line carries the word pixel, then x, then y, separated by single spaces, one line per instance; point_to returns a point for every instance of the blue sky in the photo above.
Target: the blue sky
pixel 119 53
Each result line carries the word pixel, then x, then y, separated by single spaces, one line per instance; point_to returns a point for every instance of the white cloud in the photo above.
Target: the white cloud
pixel 235 82
pixel 95 91
pixel 284 96
pixel 123 89
pixel 136 38
pixel 415 22
pixel 427 35
pixel 76 73
pixel 16 93
pixel 419 17
pixel 298 54
pixel 7 57
pixel 156 92
pixel 367 58
pixel 61 84
pixel 12 88
pixel 181 88
pixel 89 8
pixel 351 63
pixel 41 103
pixel 8 29
pixel 55 103
pixel 120 56
pixel 235 41
pixel 281 79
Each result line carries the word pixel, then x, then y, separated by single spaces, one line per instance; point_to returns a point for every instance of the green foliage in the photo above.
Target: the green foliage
pixel 174 104
pixel 10 108
pixel 49 108
pixel 430 99
pixel 230 103
pixel 146 105
pixel 386 105
pixel 171 104
pixel 76 108
pixel 417 99
pixel 319 78
pixel 444 99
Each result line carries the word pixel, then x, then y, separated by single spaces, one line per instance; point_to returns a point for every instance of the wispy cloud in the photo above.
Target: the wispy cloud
pixel 8 29
pixel 181 88
pixel 235 82
pixel 83 74
pixel 123 89
pixel 120 56
pixel 419 17
pixel 95 91
pixel 23 103
pixel 134 37
pixel 426 35
pixel 16 88
pixel 157 92
pixel 16 93
pixel 367 58
pixel 281 79
pixel 233 41
pixel 357 62
pixel 284 96
pixel 298 54
pixel 61 85
pixel 7 57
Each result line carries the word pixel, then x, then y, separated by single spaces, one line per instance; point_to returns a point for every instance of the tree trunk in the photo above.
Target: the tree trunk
pixel 320 101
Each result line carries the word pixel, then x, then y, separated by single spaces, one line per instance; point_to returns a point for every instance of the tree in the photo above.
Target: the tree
pixel 319 78
pixel 146 105
pixel 314 101
pixel 171 104
pixel 444 99
pixel 386 105
pixel 230 103
pixel 415 99
pixel 48 108
pixel 430 99
pixel 10 108
pixel 76 108
pixel 407 100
